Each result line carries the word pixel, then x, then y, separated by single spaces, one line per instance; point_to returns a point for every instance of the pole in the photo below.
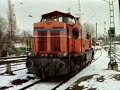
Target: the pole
pixel 119 10
pixel 112 65
pixel 105 33
pixel 119 6
pixel 96 32
pixel 69 11
pixel 79 8
pixel 10 19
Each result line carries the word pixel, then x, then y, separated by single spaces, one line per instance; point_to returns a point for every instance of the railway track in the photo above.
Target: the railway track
pixel 117 57
pixel 30 85
pixel 62 82
pixel 40 82
pixel 66 79
pixel 54 86
pixel 15 63
pixel 47 83
pixel 2 73
pixel 116 54
pixel 98 56
pixel 5 58
pixel 15 67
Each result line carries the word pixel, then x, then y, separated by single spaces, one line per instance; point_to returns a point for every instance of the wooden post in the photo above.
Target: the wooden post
pixel 113 66
pixel 8 69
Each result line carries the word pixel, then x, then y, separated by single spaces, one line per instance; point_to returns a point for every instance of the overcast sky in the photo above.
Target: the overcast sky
pixel 93 11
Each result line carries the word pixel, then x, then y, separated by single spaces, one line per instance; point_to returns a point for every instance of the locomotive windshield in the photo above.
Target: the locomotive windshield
pixel 60 17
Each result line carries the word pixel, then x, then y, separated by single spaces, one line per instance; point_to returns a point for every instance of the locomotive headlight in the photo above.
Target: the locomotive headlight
pixel 59 54
pixel 64 54
pixel 29 53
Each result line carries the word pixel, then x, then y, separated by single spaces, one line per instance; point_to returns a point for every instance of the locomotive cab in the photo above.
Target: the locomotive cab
pixel 59 17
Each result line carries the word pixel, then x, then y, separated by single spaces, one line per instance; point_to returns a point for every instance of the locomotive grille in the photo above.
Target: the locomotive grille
pixel 55 41
pixel 43 41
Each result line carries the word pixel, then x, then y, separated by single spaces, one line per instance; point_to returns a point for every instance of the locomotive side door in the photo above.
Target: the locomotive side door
pixel 75 36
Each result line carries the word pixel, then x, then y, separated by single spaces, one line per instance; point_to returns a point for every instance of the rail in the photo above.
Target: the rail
pixel 30 85
pixel 4 58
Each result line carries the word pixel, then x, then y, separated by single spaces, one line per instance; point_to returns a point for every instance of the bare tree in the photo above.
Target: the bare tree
pixel 90 29
pixel 3 28
pixel 7 30
pixel 11 20
pixel 26 36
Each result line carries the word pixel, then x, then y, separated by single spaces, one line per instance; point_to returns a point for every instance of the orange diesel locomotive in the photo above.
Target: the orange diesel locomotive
pixel 61 46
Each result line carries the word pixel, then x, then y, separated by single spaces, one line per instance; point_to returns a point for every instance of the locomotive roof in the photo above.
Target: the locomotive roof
pixel 57 13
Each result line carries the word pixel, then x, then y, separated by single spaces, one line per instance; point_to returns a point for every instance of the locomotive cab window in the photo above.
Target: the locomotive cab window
pixel 75 33
pixel 88 36
pixel 71 21
pixel 68 20
pixel 50 19
pixel 60 17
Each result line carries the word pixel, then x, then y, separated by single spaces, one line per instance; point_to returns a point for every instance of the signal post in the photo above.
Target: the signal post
pixel 112 65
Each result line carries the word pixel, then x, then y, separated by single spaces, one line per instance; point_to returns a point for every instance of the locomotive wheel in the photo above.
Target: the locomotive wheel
pixel 81 64
pixel 77 68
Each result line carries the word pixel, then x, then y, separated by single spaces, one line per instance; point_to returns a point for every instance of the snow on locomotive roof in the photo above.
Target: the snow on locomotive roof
pixel 57 13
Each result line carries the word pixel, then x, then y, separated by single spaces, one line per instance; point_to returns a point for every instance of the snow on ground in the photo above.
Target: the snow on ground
pixel 44 86
pixel 95 77
pixel 16 67
pixel 6 80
